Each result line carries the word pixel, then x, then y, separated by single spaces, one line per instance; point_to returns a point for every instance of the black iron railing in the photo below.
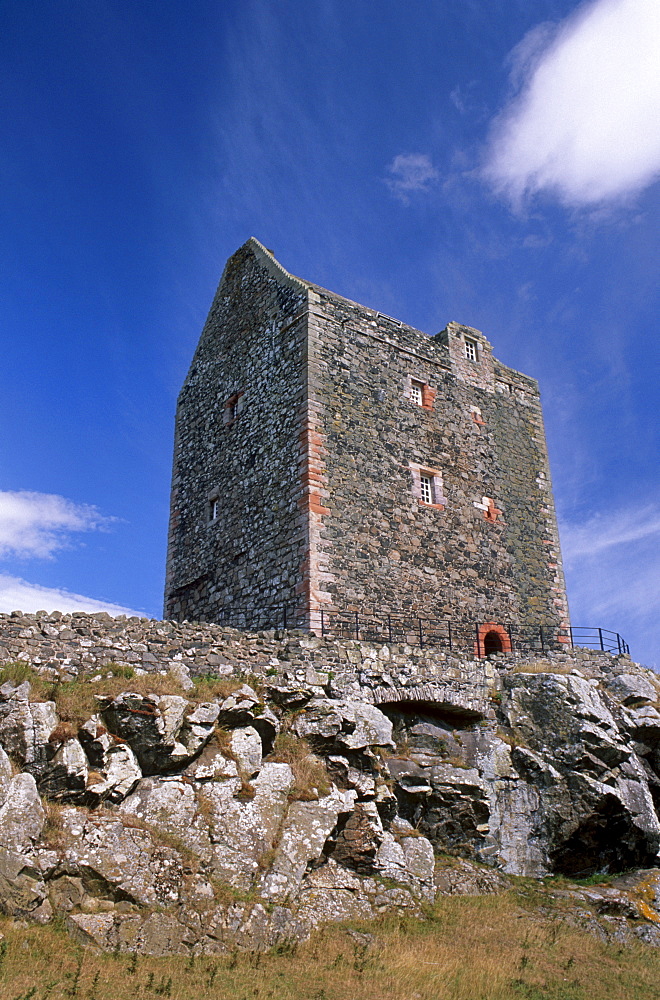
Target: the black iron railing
pixel 419 629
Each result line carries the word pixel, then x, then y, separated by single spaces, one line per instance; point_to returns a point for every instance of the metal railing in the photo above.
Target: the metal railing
pixel 419 629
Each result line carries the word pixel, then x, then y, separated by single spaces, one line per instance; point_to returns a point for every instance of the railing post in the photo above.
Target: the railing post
pixel 284 616
pixel 357 624
pixel 618 642
pixel 570 632
pixel 322 623
pixel 476 629
pixel 509 632
pixel 421 635
pixel 600 636
pixel 449 634
pixel 389 627
pixel 541 638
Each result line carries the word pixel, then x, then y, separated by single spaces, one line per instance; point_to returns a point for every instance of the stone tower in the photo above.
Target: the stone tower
pixel 330 457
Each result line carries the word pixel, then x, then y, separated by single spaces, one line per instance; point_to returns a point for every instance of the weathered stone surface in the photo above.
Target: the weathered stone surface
pixel 22 815
pixel 6 773
pixel 343 725
pixel 559 777
pixel 127 861
pixel 25 726
pixel 305 830
pixel 64 778
pixel 156 727
pixel 243 832
pixel 600 814
pixel 246 749
pixel 22 888
pixel 462 878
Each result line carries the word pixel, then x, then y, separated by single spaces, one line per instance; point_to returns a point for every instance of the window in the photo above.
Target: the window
pixel 470 349
pixel 233 407
pixel 214 509
pixel 420 392
pixel 426 484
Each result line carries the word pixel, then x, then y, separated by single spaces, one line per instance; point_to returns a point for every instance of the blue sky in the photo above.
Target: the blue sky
pixel 494 162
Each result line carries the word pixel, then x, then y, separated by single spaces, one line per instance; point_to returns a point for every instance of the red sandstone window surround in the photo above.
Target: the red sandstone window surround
pixel 420 393
pixel 492 638
pixel 471 350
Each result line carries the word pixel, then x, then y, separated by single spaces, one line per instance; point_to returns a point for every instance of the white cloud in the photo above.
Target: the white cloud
pixel 585 123
pixel 38 524
pixel 19 595
pixel 612 564
pixel 410 172
pixel 607 531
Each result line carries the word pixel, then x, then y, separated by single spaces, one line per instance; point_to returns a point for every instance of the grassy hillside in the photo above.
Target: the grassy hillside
pixel 514 945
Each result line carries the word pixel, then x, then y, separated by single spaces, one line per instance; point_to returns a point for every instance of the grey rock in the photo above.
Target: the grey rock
pixel 64 779
pixel 343 725
pixel 304 832
pixel 22 886
pixel 25 727
pixel 22 815
pixel 6 773
pixel 246 749
pixel 154 726
pixel 115 767
pixel 289 696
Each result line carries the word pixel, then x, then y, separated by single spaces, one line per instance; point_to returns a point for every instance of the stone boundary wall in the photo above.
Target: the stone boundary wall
pixel 70 645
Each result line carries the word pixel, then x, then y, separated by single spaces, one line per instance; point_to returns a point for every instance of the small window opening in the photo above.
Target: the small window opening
pixel 214 509
pixel 493 643
pixel 417 393
pixel 471 350
pixel 426 488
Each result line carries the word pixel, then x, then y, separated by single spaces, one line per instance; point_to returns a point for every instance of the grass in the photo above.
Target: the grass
pixel 75 700
pixel 310 775
pixel 545 667
pixel 468 948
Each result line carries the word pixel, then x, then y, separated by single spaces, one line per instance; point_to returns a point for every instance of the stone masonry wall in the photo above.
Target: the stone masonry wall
pixel 69 646
pixel 236 526
pixel 487 548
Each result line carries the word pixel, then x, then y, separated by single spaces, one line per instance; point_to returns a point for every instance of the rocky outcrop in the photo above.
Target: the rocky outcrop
pixel 170 824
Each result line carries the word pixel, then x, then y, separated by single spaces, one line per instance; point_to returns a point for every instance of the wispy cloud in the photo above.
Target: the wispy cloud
pixel 612 564
pixel 603 531
pixel 409 172
pixel 585 121
pixel 19 595
pixel 35 525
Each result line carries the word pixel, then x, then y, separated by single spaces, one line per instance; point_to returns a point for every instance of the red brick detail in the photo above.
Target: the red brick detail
pixel 499 630
pixel 478 419
pixel 433 506
pixel 493 512
pixel 428 396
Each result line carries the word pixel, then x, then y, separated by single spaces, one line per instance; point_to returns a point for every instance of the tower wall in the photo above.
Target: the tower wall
pixel 238 534
pixel 486 547
pixel 366 464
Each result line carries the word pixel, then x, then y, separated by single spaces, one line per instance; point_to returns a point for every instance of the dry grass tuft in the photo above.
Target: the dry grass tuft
pixel 543 667
pixel 54 834
pixel 209 687
pixel 310 775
